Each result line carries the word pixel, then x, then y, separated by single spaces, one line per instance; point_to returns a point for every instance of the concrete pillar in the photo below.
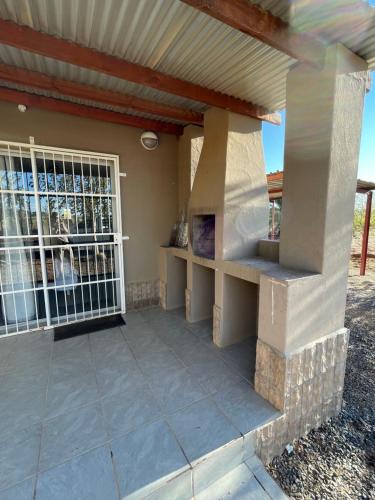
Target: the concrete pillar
pixel 323 130
pixel 301 349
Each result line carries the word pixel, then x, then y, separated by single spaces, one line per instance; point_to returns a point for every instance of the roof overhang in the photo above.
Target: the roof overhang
pixel 169 61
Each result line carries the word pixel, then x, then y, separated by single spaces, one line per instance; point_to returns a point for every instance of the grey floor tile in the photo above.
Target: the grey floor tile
pixel 114 378
pixel 6 348
pixel 8 343
pixel 20 491
pixel 180 312
pixel 29 364
pixel 71 365
pixel 265 480
pixel 160 365
pixel 205 370
pixel 195 352
pixel 178 488
pixel 40 342
pixel 67 393
pixel 103 338
pixel 22 402
pixel 116 357
pixel 70 346
pixel 133 318
pixel 201 428
pixel 176 391
pixel 185 346
pixel 241 357
pixel 153 313
pixel 167 322
pixel 22 382
pixel 176 335
pixel 87 477
pixel 146 459
pixel 112 353
pixel 217 464
pixel 132 408
pixel 133 332
pixel 30 355
pixel 239 484
pixel 71 434
pixel 202 329
pixel 244 407
pixel 218 377
pixel 19 456
pixel 147 345
pixel 38 339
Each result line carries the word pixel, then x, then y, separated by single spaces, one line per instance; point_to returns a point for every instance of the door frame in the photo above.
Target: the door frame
pixel 33 150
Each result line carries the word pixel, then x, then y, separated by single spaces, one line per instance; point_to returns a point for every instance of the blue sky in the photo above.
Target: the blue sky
pixel 273 137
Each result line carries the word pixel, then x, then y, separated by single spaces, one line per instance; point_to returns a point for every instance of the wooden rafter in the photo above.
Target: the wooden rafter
pixel 25 38
pixel 41 81
pixel 51 104
pixel 264 26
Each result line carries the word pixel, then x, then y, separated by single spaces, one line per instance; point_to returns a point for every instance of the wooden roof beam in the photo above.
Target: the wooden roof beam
pixel 41 81
pixel 264 26
pixel 52 104
pixel 25 38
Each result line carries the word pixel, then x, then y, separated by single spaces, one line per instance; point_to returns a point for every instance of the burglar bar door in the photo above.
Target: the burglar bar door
pixel 60 237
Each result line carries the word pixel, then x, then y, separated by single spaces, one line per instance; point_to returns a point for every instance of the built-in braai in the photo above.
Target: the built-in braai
pixel 227 216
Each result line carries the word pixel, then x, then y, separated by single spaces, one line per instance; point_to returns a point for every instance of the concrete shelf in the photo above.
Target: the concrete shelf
pixel 203 261
pixel 176 251
pixel 250 269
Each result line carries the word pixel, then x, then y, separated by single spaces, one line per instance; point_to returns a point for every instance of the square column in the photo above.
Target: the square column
pixel 302 342
pixel 323 132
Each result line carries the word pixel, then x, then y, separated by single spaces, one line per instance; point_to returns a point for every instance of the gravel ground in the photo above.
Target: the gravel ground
pixel 337 461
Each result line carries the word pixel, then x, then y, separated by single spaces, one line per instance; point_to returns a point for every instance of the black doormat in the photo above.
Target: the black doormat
pixel 90 326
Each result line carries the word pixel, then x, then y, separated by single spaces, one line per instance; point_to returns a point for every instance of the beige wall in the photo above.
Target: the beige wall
pixel 148 193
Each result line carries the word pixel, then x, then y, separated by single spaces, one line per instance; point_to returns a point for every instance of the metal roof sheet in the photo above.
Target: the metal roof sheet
pixel 88 102
pixel 177 39
pixel 351 22
pixel 166 35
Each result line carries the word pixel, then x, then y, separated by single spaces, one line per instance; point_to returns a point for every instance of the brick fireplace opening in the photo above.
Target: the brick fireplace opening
pixel 203 235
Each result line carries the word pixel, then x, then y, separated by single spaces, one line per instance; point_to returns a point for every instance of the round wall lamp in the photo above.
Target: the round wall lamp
pixel 22 108
pixel 149 140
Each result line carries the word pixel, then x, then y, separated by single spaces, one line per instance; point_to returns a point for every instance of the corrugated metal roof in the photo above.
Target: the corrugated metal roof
pixel 34 62
pixel 166 35
pixel 175 38
pixel 87 102
pixel 351 22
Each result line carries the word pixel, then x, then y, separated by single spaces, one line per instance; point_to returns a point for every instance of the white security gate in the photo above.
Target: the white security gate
pixel 60 237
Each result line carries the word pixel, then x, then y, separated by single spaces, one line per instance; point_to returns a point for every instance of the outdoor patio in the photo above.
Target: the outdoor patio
pixel 151 408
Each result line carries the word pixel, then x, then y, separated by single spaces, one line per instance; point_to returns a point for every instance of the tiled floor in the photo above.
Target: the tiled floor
pixel 117 413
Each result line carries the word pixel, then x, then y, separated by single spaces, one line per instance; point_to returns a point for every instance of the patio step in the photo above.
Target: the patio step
pixel 249 480
pixel 233 470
